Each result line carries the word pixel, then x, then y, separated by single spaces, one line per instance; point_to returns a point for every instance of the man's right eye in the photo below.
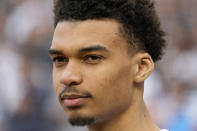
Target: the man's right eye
pixel 58 61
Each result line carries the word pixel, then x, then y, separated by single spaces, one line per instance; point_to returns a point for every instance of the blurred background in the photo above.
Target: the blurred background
pixel 27 99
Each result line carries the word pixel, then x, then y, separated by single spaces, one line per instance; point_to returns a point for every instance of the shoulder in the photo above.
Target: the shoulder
pixel 163 130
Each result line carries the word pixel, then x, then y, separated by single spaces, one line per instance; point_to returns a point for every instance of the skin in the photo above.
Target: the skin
pixel 91 58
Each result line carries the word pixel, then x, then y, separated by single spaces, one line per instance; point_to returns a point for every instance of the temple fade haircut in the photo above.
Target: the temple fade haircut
pixel 137 17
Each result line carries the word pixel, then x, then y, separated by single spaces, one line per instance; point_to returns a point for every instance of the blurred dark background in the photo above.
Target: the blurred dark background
pixel 27 99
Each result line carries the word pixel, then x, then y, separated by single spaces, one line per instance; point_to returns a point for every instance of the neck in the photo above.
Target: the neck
pixel 135 118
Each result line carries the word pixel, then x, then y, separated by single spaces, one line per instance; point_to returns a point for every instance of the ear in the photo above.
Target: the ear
pixel 144 66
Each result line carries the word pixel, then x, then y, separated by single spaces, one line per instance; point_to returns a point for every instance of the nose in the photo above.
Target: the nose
pixel 71 75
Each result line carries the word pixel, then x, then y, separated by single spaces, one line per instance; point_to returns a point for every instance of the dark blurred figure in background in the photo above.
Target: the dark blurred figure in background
pixel 25 71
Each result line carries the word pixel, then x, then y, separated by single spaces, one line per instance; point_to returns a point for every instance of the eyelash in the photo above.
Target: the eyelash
pixel 94 59
pixel 93 56
pixel 60 59
pixel 89 59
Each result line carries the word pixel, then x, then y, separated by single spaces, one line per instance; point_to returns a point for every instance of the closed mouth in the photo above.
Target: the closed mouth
pixel 73 96
pixel 73 100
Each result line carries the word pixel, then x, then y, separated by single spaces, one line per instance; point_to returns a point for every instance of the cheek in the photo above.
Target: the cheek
pixel 113 79
pixel 56 81
pixel 117 85
pixel 111 88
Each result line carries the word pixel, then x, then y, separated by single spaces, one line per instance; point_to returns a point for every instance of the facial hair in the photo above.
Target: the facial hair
pixel 78 120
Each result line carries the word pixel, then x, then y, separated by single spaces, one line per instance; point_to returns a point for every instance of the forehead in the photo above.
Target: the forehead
pixel 82 33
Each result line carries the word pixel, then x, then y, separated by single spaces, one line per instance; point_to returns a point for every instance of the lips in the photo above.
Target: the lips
pixel 74 100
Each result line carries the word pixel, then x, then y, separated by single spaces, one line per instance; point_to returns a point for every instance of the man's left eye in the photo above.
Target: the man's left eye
pixel 93 59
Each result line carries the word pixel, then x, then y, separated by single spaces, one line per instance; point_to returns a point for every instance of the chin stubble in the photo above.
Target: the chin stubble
pixel 81 121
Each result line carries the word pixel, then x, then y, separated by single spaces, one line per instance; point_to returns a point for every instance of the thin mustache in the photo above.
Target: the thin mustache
pixel 73 90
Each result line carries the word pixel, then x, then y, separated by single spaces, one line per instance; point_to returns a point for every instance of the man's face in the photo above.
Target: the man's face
pixel 92 71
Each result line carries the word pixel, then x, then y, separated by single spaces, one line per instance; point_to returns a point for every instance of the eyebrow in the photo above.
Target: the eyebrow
pixel 93 48
pixel 82 50
pixel 55 52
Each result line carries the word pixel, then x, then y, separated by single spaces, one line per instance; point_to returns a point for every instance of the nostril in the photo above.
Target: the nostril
pixel 71 81
pixel 73 84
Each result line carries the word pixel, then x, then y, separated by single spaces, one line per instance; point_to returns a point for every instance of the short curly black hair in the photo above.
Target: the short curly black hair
pixel 137 17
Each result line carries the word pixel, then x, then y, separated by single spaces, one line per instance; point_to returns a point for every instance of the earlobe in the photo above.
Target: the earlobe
pixel 145 66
